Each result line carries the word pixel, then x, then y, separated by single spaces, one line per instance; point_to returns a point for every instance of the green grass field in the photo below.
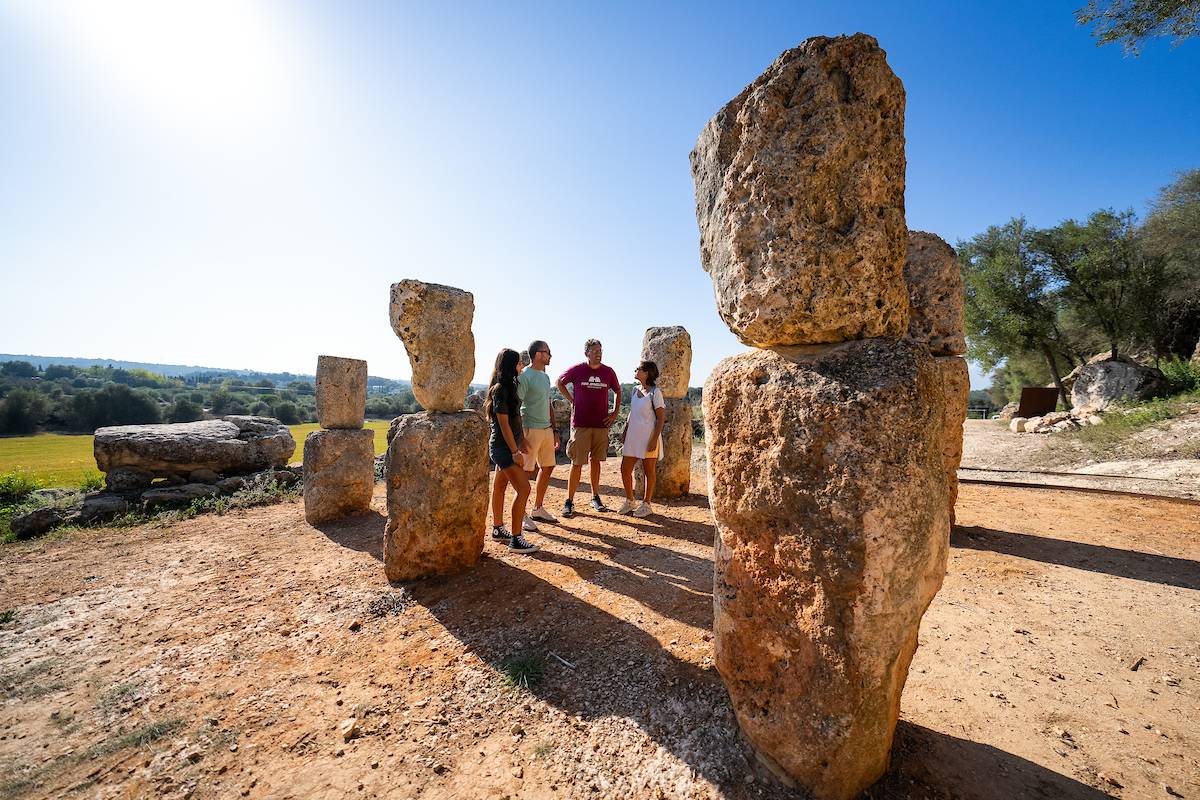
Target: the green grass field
pixel 55 459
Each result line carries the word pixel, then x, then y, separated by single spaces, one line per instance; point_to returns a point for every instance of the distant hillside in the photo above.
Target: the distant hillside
pixel 187 371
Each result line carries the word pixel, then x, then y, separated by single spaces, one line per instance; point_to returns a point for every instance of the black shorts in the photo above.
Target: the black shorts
pixel 501 456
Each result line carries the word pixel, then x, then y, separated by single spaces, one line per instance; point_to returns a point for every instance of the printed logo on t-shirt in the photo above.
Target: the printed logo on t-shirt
pixel 594 382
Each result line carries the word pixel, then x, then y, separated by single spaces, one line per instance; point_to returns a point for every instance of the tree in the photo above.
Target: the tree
pixel 18 369
pixel 22 411
pixel 1172 232
pixel 1012 305
pixel 185 410
pixel 115 404
pixel 287 413
pixel 1130 22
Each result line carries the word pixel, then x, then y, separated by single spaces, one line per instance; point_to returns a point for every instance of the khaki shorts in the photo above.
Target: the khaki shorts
pixel 541 448
pixel 587 442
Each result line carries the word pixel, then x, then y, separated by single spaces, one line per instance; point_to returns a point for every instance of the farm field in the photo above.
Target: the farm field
pixel 58 459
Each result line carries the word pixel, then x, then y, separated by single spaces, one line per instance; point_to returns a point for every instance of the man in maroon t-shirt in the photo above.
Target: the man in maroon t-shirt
pixel 591 418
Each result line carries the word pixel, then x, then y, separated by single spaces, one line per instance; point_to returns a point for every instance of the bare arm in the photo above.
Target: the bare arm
pixel 660 419
pixel 562 387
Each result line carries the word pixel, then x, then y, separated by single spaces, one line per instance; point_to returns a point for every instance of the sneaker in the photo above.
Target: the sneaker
pixel 519 544
pixel 568 509
pixel 542 515
pixel 598 504
pixel 626 508
pixel 529 525
pixel 644 510
pixel 500 534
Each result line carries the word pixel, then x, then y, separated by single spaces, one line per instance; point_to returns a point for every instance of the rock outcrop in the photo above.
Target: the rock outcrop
pixel 434 322
pixel 339 473
pixel 800 198
pixel 828 488
pixel 1099 384
pixel 436 494
pixel 935 295
pixel 670 348
pixel 341 392
pixel 230 445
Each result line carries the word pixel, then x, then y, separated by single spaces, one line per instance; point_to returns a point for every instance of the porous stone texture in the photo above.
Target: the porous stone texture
pixel 437 494
pixel 935 295
pixel 829 493
pixel 956 389
pixel 233 444
pixel 183 495
pixel 673 477
pixel 800 198
pixel 341 392
pixel 670 348
pixel 434 322
pixel 339 473
pixel 1100 384
pixel 127 479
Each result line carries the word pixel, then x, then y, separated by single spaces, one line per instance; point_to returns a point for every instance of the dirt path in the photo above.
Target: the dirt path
pixel 218 657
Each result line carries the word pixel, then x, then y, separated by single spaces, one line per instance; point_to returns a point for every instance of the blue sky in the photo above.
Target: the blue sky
pixel 237 184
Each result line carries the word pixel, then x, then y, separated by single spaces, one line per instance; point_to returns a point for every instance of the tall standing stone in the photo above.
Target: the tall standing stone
pixel 800 198
pixel 434 322
pixel 339 473
pixel 673 476
pixel 956 389
pixel 670 348
pixel 828 489
pixel 436 494
pixel 341 392
pixel 935 294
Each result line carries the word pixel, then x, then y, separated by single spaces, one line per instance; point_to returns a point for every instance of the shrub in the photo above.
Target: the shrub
pixel 1182 376
pixel 115 404
pixel 287 413
pixel 16 486
pixel 22 411
pixel 184 410
pixel 92 482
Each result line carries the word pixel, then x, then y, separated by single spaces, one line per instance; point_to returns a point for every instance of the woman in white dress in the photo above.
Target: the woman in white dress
pixel 642 438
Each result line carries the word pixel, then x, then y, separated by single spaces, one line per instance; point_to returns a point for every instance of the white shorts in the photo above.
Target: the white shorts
pixel 541 448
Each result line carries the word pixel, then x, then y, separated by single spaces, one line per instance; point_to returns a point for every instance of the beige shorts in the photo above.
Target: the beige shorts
pixel 541 448
pixel 588 442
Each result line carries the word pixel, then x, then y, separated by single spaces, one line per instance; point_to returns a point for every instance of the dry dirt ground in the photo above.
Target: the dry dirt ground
pixel 219 657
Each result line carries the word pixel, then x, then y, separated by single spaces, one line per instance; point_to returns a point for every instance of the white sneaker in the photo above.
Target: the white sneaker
pixel 644 510
pixel 626 508
pixel 542 514
pixel 529 525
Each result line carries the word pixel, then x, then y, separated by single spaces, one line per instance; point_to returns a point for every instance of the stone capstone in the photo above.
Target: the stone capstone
pixel 437 494
pixel 800 198
pixel 1102 383
pixel 434 322
pixel 670 348
pixel 341 392
pixel 673 475
pixel 339 473
pixel 956 389
pixel 233 444
pixel 935 294
pixel 829 493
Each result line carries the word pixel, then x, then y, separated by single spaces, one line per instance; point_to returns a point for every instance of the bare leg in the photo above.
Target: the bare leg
pixel 516 476
pixel 573 481
pixel 595 476
pixel 499 484
pixel 543 481
pixel 627 465
pixel 650 466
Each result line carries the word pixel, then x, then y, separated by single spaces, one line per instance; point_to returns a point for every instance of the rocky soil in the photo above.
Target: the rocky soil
pixel 252 655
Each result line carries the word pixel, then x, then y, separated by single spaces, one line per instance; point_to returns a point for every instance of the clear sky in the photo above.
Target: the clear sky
pixel 237 184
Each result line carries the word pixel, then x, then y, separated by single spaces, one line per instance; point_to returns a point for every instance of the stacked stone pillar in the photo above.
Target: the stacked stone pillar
pixel 670 348
pixel 826 476
pixel 437 468
pixel 339 459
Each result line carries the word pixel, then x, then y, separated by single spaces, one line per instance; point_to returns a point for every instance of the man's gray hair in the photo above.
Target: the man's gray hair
pixel 590 343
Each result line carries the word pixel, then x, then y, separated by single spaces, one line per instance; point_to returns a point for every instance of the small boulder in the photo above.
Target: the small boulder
pixel 341 392
pixel 232 484
pixel 36 522
pixel 434 322
pixel 1017 424
pixel 670 348
pixel 1119 380
pixel 203 476
pixel 173 496
pixel 127 479
pixel 102 506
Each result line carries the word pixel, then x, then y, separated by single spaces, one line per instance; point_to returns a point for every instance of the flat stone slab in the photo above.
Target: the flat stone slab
pixel 233 444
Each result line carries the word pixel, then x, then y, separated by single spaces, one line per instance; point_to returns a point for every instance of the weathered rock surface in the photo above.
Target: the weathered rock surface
pixel 171 496
pixel 674 469
pixel 829 493
pixel 339 473
pixel 127 479
pixel 1102 383
pixel 800 198
pixel 36 522
pixel 341 392
pixel 101 506
pixel 434 322
pixel 956 389
pixel 935 295
pixel 232 444
pixel 1017 424
pixel 437 493
pixel 670 348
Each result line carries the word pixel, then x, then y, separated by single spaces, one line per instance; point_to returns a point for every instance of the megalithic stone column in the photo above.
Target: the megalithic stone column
pixel 935 298
pixel 670 348
pixel 339 466
pixel 826 477
pixel 437 474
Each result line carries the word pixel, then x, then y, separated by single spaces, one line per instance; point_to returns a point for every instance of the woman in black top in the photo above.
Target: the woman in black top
pixel 502 408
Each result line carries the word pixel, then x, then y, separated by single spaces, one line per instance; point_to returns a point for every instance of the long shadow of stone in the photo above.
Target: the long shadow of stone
pixel 1095 558
pixel 929 764
pixel 361 532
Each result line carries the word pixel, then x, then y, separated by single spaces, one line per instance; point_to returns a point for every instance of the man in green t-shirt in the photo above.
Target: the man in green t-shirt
pixel 541 434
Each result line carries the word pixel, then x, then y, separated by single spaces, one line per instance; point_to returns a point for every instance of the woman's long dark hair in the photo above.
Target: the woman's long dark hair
pixel 503 385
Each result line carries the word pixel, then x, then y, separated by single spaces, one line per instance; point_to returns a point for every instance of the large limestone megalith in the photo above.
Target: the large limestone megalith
pixel 935 294
pixel 341 392
pixel 956 389
pixel 339 473
pixel 800 198
pixel 437 496
pixel 434 322
pixel 670 348
pixel 828 489
pixel 673 477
